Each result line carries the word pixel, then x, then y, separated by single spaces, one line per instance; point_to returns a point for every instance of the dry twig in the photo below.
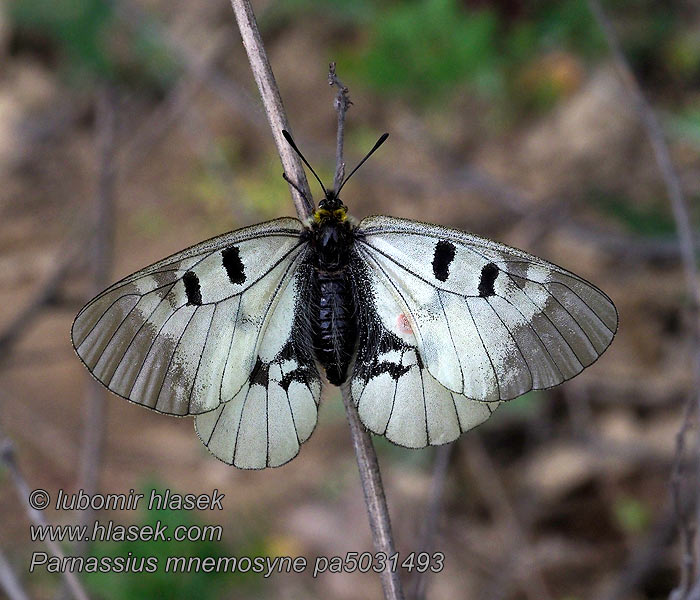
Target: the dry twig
pixel 373 490
pixel 689 565
pixel 342 104
pixel 9 582
pixel 274 109
pixel 375 499
pixel 364 450
pixel 103 243
pixel 432 517
pixel 170 111
pixel 7 455
pixel 495 494
pixel 47 293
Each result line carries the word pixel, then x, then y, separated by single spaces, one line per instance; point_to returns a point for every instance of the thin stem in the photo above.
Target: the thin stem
pixel 691 553
pixel 174 106
pixel 71 257
pixel 373 490
pixel 103 243
pixel 367 463
pixel 9 581
pixel 516 530
pixel 276 116
pixel 375 499
pixel 342 104
pixel 432 517
pixel 661 152
pixel 7 456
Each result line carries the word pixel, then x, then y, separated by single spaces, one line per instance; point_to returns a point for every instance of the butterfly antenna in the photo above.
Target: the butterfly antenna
pixel 380 141
pixel 290 141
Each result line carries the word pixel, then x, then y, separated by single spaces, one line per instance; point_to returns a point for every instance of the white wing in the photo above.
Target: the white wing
pixel 395 394
pixel 180 336
pixel 274 412
pixel 203 329
pixel 490 322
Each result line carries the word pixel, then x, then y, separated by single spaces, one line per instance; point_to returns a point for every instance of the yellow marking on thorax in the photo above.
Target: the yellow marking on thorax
pixel 340 215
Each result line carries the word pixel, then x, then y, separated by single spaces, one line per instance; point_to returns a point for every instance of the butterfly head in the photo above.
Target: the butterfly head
pixel 331 208
pixel 331 233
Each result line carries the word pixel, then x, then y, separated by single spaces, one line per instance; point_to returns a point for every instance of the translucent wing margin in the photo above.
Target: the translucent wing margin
pixel 395 394
pixel 182 336
pixel 490 322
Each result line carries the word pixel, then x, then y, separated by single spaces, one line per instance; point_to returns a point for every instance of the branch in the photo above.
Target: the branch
pixel 661 152
pixel 496 496
pixel 171 110
pixel 103 243
pixel 276 116
pixel 9 582
pixel 645 557
pixel 373 490
pixel 47 293
pixel 689 565
pixel 7 456
pixel 437 488
pixel 362 443
pixel 367 464
pixel 342 104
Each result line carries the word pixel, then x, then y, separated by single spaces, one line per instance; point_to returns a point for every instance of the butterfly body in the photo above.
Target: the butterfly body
pixel 331 297
pixel 334 326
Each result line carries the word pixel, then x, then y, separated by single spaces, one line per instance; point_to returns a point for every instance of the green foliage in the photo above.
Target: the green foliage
pixel 91 39
pixel 427 48
pixel 686 124
pixel 171 585
pixel 523 407
pixel 649 221
pixel 562 25
pixel 682 55
pixel 631 515
pixel 78 26
pixel 408 457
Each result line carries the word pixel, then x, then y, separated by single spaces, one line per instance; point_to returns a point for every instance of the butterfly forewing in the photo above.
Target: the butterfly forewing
pixel 181 336
pixel 490 322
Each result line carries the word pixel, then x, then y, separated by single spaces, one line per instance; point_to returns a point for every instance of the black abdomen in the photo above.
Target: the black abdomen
pixel 334 326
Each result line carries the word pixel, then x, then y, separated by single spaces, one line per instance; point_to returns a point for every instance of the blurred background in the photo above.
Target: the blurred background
pixel 139 119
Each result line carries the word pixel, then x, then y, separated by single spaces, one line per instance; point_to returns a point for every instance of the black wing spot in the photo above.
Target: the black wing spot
pixel 231 258
pixel 260 374
pixel 488 278
pixel 442 259
pixel 300 375
pixel 192 289
pixel 396 371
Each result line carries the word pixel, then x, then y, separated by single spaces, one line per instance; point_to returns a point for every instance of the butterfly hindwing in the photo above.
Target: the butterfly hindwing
pixel 395 394
pixel 274 411
pixel 490 322
pixel 182 335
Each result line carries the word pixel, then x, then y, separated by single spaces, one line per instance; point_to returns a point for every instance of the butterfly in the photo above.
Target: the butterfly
pixel 430 327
